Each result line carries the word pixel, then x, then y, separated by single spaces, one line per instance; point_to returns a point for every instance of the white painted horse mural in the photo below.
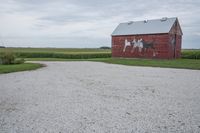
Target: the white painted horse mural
pixel 140 44
pixel 127 43
pixel 134 44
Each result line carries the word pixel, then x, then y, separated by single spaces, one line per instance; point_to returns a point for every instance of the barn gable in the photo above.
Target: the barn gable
pixel 155 26
pixel 176 28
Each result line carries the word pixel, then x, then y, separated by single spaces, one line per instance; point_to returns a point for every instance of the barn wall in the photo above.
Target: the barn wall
pixel 161 43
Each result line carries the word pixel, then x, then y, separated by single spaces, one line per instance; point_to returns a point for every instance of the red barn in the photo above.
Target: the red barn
pixel 158 38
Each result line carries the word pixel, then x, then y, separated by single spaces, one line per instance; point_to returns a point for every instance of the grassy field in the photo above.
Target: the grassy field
pixel 19 67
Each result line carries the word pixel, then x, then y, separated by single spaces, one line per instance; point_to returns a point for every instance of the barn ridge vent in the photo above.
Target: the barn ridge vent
pixel 163 19
pixel 130 22
pixel 145 21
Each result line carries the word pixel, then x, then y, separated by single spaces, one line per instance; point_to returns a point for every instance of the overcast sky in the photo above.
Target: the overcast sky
pixel 87 23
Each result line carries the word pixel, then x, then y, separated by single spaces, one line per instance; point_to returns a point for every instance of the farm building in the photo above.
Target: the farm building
pixel 157 38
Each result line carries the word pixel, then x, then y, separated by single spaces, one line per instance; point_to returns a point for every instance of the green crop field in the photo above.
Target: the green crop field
pixel 77 53
pixel 64 53
pixel 58 50
pixel 190 54
pixel 80 53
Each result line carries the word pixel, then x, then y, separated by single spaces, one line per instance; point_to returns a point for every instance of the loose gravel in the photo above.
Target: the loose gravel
pixel 87 97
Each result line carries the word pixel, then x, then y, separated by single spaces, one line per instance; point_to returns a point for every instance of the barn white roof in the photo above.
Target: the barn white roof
pixel 153 26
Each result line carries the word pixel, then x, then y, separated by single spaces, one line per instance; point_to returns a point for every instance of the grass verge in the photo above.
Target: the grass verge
pixel 60 59
pixel 19 67
pixel 177 63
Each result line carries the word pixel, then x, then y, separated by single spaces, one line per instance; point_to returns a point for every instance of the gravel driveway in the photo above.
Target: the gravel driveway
pixel 97 97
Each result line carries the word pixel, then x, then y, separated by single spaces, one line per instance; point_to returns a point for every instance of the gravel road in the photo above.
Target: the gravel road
pixel 85 97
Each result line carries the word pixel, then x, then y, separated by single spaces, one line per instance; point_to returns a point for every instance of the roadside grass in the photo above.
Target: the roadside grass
pixel 61 59
pixel 177 63
pixel 19 67
pixel 56 59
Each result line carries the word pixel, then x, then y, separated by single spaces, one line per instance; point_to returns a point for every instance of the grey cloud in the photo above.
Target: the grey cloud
pixel 103 15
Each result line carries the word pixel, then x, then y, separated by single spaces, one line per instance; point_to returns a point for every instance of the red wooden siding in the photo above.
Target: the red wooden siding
pixel 163 48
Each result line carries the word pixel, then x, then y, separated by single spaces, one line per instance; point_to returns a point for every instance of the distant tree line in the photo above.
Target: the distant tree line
pixel 105 47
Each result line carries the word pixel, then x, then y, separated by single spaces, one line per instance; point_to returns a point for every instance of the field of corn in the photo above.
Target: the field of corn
pixel 65 53
pixel 190 54
pixel 79 53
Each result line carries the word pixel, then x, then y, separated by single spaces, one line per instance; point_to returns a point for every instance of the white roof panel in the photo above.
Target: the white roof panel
pixel 144 27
